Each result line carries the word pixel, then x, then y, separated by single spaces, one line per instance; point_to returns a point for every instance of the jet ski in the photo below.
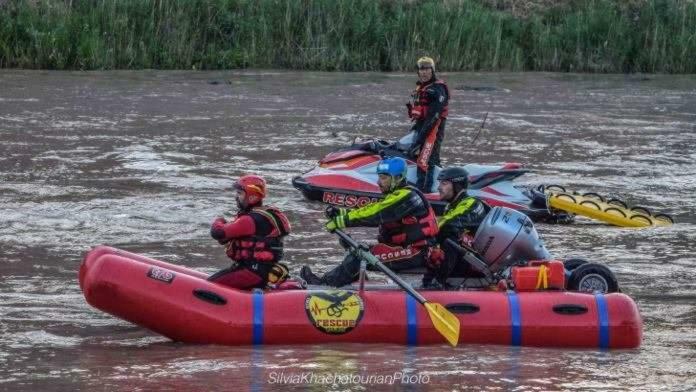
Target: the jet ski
pixel 348 178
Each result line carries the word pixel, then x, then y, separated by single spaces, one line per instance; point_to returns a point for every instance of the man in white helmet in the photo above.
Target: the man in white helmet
pixel 428 109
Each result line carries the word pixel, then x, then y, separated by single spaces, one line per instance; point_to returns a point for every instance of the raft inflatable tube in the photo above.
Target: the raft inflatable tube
pixel 180 304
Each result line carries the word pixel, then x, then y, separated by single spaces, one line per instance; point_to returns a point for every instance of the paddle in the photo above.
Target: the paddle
pixel 443 320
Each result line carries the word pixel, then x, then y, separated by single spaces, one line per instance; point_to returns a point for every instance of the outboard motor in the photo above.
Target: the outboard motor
pixel 506 238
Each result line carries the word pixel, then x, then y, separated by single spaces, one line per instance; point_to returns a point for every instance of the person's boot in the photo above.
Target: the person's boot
pixel 339 276
pixel 309 276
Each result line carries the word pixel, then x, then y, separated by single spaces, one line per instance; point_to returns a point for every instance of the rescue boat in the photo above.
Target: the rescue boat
pixel 348 178
pixel 182 305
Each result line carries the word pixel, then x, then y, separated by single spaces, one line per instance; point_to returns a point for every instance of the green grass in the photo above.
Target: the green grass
pixel 348 35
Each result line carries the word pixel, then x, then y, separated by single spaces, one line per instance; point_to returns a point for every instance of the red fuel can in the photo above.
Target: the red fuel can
pixel 539 275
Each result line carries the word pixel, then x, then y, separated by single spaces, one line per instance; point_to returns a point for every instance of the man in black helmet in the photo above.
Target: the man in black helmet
pixel 462 217
pixel 428 109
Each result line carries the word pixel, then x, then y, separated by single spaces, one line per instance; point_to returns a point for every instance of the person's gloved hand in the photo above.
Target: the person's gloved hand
pixel 334 224
pixel 338 221
pixel 217 230
pixel 332 211
pixel 435 258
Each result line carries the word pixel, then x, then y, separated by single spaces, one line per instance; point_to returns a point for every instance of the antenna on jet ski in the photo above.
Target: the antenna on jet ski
pixel 483 123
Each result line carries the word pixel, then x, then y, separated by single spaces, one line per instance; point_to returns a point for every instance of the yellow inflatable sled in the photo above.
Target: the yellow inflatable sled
pixel 612 211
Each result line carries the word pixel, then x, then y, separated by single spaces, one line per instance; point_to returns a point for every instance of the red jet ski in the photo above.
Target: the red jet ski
pixel 348 178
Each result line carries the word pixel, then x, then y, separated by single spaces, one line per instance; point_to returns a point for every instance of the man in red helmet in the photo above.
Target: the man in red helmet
pixel 253 240
pixel 428 109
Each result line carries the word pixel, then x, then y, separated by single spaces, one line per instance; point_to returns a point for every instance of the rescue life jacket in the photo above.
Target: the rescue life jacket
pixel 411 230
pixel 266 245
pixel 419 110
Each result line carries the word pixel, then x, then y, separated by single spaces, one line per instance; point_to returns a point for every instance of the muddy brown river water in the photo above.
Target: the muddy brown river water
pixel 140 160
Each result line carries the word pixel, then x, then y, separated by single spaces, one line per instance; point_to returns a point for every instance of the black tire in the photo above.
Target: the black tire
pixel 573 263
pixel 592 277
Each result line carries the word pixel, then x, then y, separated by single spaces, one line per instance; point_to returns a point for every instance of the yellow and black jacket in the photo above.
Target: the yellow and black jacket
pixel 463 215
pixel 404 218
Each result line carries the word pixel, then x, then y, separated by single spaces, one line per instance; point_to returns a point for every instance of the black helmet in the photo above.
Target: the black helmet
pixel 458 176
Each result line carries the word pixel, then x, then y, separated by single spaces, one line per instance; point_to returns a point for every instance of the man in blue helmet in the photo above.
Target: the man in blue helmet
pixel 407 227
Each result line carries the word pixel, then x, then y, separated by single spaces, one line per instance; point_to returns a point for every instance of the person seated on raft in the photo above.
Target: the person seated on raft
pixel 407 227
pixel 253 239
pixel 462 217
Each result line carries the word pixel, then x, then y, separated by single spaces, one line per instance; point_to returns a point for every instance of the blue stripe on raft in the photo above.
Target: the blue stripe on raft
pixel 257 332
pixel 411 321
pixel 515 318
pixel 603 320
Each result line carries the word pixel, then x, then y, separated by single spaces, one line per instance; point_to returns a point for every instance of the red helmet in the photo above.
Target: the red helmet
pixel 254 188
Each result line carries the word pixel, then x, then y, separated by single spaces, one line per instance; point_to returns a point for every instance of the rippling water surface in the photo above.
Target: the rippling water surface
pixel 140 160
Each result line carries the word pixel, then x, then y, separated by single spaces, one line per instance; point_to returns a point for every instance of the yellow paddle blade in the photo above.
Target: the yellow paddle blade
pixel 444 321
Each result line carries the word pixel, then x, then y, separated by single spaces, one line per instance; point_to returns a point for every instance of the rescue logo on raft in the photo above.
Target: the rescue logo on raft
pixel 161 274
pixel 334 312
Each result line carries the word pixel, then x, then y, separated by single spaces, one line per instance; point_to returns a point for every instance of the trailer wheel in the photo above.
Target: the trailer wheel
pixel 592 277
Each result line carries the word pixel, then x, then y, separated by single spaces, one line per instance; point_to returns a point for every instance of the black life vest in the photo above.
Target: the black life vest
pixel 421 101
pixel 266 245
pixel 411 230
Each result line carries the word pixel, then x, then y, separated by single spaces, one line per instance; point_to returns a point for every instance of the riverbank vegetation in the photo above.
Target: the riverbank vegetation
pixel 351 35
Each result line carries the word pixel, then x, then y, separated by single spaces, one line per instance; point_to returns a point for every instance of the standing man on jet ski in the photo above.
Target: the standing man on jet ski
pixel 407 227
pixel 462 217
pixel 253 240
pixel 428 108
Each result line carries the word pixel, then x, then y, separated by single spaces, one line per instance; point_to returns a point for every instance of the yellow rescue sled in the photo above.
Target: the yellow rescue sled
pixel 613 211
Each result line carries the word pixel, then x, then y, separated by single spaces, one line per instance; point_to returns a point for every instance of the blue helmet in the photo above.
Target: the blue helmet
pixel 395 167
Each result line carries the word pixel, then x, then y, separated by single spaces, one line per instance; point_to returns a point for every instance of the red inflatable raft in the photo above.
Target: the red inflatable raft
pixel 180 304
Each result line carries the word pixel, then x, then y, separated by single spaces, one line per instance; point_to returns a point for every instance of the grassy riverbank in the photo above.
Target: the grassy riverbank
pixel 350 35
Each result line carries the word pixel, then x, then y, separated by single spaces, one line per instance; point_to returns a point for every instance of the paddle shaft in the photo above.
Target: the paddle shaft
pixel 444 321
pixel 363 265
pixel 375 261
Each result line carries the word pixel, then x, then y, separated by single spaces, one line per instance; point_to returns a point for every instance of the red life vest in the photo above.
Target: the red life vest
pixel 419 111
pixel 412 230
pixel 266 245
